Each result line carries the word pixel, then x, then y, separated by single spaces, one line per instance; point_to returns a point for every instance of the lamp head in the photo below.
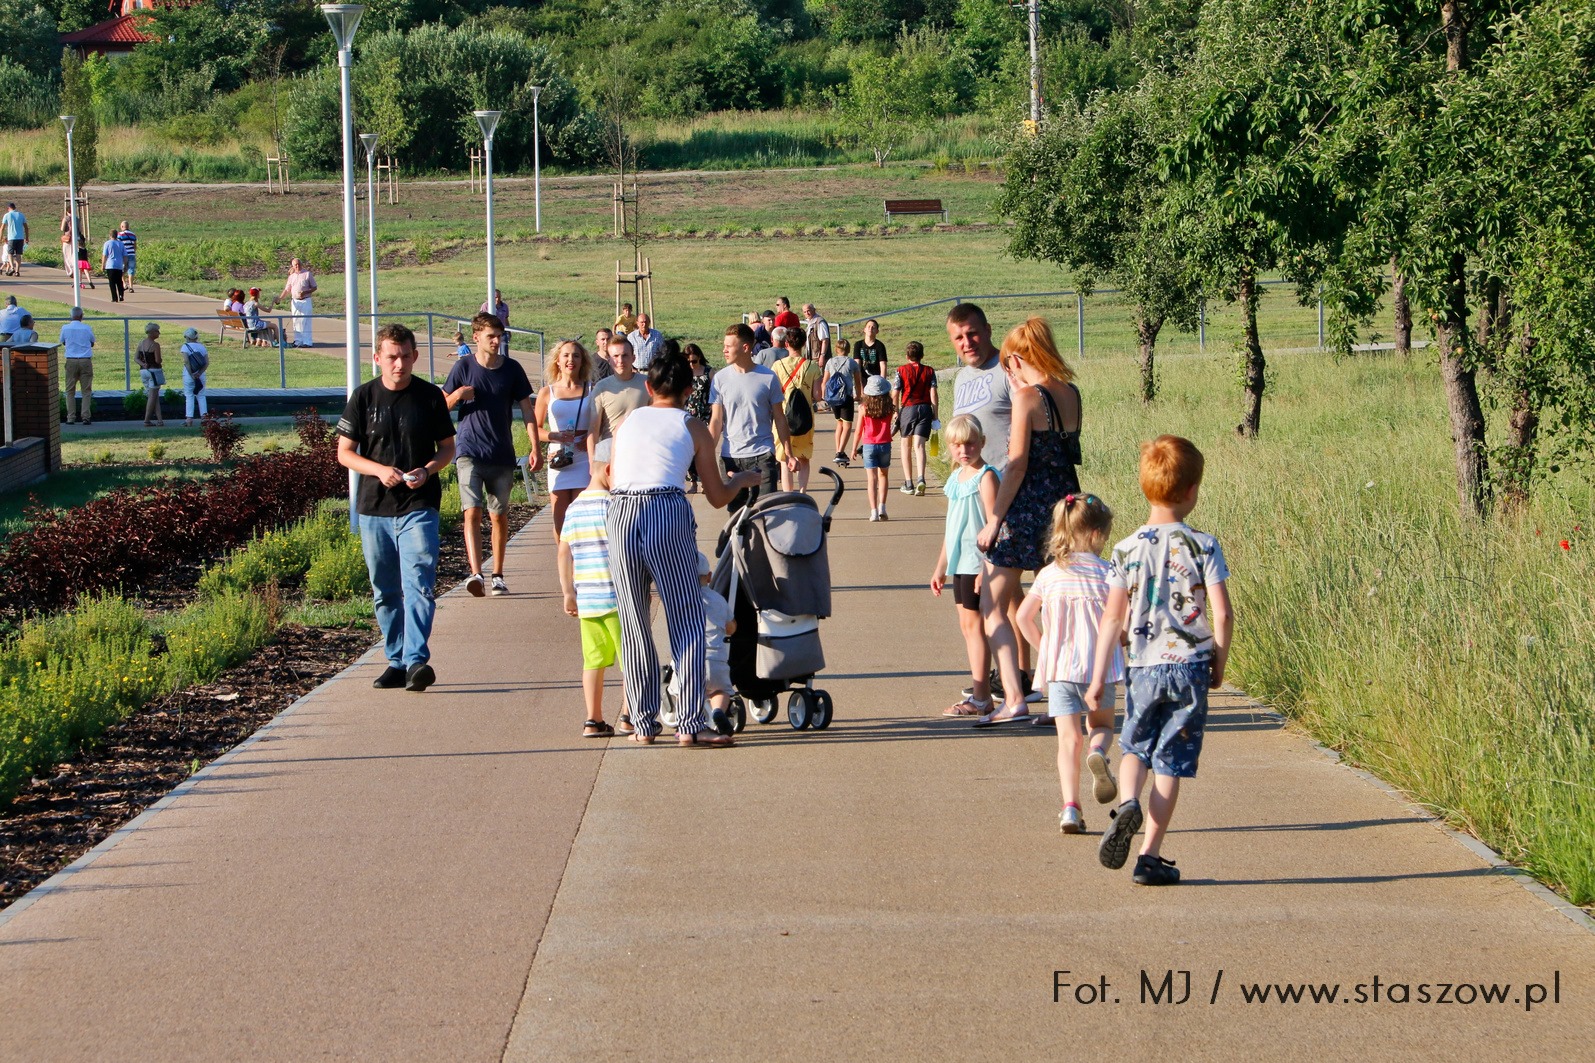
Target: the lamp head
pixel 369 142
pixel 488 120
pixel 69 120
pixel 537 90
pixel 344 19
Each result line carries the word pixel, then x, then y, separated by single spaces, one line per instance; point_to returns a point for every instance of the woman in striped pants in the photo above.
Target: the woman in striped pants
pixel 653 542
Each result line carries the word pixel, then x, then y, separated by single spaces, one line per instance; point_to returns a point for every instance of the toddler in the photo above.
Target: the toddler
pixel 719 624
pixel 1068 597
pixel 1167 595
pixel 590 594
pixel 461 348
pixel 875 425
pixel 971 492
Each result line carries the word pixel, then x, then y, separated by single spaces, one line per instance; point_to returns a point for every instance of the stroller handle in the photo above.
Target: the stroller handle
pixel 837 491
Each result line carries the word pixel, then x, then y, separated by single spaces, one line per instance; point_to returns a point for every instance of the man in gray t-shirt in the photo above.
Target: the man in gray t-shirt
pixel 981 388
pixel 748 414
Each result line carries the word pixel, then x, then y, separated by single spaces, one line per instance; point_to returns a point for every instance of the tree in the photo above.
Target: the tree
pixel 1086 194
pixel 77 98
pixel 890 97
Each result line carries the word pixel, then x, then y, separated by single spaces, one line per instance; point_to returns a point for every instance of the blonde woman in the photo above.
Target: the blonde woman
pixel 564 407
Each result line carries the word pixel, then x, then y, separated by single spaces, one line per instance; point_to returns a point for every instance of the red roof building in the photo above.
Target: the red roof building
pixel 113 37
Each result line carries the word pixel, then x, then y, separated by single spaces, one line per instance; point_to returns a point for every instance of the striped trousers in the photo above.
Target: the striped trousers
pixel 653 542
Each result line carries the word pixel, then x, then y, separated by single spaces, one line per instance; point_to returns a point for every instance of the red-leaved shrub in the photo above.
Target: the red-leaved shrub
pixel 130 538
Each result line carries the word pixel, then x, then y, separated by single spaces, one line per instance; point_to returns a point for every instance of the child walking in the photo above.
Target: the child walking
pixel 971 492
pixel 719 624
pixel 875 439
pixel 1167 595
pixel 1068 597
pixel 590 594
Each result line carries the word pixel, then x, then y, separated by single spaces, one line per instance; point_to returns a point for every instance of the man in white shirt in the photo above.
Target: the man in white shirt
pixel 817 335
pixel 646 342
pixel 77 366
pixel 11 316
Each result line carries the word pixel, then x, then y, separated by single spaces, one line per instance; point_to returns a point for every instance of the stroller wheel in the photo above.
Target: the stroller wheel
pixel 800 709
pixel 822 710
pixel 739 714
pixel 764 709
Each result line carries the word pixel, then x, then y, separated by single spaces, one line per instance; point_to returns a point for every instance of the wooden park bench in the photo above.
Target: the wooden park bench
pixel 915 206
pixel 234 322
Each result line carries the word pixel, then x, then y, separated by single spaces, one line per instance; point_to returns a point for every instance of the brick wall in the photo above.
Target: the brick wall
pixel 22 464
pixel 36 400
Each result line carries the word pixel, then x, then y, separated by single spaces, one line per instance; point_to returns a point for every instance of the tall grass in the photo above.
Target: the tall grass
pixel 739 140
pixel 1455 660
pixel 130 153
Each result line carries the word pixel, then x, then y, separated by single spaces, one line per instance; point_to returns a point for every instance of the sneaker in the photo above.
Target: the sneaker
pixel 476 585
pixel 1155 871
pixel 841 459
pixel 419 677
pixel 1104 786
pixel 1115 847
pixel 500 588
pixel 1070 821
pixel 919 489
pixel 883 514
pixel 392 678
pixel 907 488
pixel 875 516
pixel 995 683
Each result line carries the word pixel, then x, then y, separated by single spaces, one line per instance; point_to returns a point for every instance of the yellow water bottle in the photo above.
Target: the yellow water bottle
pixel 933 445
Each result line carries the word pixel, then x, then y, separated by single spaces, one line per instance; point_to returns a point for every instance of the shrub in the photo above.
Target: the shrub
pixel 205 639
pixel 338 572
pixel 224 438
pixel 157 451
pixel 282 556
pixel 130 537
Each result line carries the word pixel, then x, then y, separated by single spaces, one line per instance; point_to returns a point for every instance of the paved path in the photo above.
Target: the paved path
pixel 457 876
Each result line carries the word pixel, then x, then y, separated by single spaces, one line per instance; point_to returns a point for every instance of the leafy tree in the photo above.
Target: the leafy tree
pixel 1087 195
pixel 31 41
pixel 889 97
pixel 77 98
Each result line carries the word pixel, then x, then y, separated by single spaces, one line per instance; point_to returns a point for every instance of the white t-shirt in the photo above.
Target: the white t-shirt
pixel 78 339
pixel 1166 570
pixel 652 449
pixel 716 615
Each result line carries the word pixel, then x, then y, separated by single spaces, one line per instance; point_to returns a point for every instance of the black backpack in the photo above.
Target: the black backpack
pixel 799 414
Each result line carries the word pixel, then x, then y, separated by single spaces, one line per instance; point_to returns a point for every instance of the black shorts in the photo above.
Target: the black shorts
pixel 844 411
pixel 16 250
pixel 966 592
pixel 916 420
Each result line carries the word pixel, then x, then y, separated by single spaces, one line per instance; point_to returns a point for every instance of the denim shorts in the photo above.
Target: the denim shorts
pixel 877 455
pixel 1068 699
pixel 1165 712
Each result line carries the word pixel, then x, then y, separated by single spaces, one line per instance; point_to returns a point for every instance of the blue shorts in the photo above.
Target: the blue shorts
pixel 1165 713
pixel 877 455
pixel 1068 699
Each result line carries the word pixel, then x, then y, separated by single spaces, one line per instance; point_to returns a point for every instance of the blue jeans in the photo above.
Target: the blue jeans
pixel 1165 713
pixel 402 561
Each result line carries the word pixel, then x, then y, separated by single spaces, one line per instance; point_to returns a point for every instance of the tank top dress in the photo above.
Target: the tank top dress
pixel 965 517
pixel 565 415
pixel 1049 475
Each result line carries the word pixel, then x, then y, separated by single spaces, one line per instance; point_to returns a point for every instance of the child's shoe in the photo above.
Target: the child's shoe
pixel 919 488
pixel 1115 847
pixel 1155 871
pixel 1070 821
pixel 908 487
pixel 1103 784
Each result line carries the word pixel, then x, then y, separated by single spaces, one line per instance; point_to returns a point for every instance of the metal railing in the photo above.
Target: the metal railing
pixel 132 329
pixel 1080 310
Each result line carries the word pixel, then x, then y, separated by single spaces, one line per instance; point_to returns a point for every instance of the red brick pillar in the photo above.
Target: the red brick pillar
pixel 36 397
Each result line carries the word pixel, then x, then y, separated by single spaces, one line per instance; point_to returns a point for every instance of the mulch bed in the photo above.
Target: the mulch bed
pixel 65 813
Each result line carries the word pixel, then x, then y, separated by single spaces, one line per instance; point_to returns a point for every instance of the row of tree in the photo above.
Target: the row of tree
pixel 1440 155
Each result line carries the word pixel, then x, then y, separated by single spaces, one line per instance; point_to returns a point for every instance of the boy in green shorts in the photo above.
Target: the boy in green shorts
pixel 590 594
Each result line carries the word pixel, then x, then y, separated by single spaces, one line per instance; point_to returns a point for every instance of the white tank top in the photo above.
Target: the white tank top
pixel 653 449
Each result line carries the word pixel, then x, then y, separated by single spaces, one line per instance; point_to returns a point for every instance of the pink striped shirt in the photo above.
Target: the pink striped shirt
pixel 1072 597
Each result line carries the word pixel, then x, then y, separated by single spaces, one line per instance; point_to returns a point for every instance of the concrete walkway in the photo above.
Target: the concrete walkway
pixel 458 876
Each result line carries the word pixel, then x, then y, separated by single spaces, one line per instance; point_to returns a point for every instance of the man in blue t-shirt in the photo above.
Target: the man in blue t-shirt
pixel 14 230
pixel 484 388
pixel 113 256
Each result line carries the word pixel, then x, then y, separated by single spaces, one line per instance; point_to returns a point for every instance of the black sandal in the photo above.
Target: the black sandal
pixel 597 729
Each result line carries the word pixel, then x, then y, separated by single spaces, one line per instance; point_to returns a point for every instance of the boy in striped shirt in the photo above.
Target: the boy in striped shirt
pixel 590 594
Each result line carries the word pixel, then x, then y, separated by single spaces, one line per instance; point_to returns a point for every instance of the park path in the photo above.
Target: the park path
pixel 458 876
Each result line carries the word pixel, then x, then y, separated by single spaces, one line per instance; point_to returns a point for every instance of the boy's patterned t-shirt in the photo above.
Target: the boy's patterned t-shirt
pixel 588 539
pixel 1166 570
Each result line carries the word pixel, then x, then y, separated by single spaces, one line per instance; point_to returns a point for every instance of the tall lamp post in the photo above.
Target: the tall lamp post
pixel 537 165
pixel 488 120
pixel 344 19
pixel 369 141
pixel 69 120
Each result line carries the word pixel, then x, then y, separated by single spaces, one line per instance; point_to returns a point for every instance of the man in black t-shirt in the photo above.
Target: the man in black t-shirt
pixel 396 433
pixel 871 352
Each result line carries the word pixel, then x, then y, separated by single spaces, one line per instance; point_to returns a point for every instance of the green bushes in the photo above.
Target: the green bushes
pixel 313 551
pixel 338 571
pixel 213 635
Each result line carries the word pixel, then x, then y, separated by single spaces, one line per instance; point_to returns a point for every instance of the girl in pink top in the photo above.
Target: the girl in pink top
pixel 875 440
pixel 1067 598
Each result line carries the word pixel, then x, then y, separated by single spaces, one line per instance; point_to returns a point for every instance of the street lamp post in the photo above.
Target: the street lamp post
pixel 537 165
pixel 369 140
pixel 488 120
pixel 69 120
pixel 344 19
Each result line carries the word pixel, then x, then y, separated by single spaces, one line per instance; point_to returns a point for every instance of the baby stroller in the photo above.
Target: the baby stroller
pixel 774 570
